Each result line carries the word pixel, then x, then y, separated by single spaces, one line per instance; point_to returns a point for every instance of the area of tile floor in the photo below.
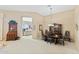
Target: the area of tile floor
pixel 35 46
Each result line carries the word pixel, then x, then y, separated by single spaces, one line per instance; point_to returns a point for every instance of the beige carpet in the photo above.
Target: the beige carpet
pixel 29 45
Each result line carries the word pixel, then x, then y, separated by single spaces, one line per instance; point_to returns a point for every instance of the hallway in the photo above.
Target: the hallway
pixel 27 45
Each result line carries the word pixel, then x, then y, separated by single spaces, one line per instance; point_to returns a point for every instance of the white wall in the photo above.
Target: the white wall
pixel 17 16
pixel 1 25
pixel 77 22
pixel 65 18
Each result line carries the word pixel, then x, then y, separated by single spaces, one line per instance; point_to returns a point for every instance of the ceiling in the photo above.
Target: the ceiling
pixel 41 9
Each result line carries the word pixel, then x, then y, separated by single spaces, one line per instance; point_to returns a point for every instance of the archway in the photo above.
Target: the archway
pixel 27 27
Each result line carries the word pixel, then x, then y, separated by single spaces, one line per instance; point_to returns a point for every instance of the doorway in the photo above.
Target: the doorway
pixel 27 27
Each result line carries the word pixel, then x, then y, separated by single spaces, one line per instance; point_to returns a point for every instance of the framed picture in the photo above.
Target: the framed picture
pixel 77 27
pixel 40 27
